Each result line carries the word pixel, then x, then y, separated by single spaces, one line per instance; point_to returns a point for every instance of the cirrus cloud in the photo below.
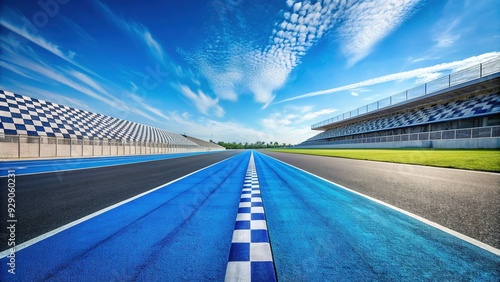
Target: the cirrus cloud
pixel 235 61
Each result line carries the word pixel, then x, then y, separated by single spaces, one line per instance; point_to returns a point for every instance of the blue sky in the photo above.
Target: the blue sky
pixel 236 70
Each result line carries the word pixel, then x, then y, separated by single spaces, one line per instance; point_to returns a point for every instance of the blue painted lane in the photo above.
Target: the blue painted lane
pixel 23 167
pixel 182 231
pixel 319 232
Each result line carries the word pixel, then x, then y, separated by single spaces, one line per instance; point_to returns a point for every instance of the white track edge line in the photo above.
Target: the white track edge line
pixel 85 218
pixel 417 217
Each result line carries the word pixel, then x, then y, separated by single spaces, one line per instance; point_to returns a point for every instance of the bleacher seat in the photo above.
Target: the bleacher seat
pixel 458 109
pixel 23 115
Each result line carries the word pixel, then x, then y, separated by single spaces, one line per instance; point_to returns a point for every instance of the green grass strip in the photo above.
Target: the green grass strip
pixel 482 160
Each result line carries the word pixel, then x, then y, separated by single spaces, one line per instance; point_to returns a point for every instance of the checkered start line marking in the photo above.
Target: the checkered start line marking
pixel 250 258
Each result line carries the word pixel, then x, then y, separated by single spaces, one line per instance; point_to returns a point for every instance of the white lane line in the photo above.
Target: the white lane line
pixel 78 221
pixel 419 218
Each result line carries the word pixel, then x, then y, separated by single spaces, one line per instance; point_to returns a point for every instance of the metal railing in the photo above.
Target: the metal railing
pixel 462 76
pixel 450 134
pixel 23 146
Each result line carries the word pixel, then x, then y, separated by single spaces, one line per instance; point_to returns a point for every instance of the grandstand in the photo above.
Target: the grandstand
pixel 204 143
pixel 461 110
pixel 31 127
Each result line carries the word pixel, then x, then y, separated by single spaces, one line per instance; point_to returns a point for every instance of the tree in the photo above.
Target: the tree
pixel 246 145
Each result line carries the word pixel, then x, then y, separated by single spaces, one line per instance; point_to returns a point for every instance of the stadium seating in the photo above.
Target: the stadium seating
pixel 451 110
pixel 22 115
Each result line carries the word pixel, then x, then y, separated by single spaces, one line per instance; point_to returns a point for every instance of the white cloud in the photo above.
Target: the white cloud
pixel 142 103
pixel 372 98
pixel 446 40
pixel 153 45
pixel 296 6
pixel 365 23
pixel 426 77
pixel 427 72
pixel 205 128
pixel 13 21
pixel 223 81
pixel 275 121
pixel 423 59
pixel 203 102
pixel 291 124
pixel 87 80
pixel 18 71
pixel 446 36
pixel 138 31
pixel 53 97
pixel 41 42
pixel 357 91
pixel 299 109
pixel 24 61
pixel 233 63
pixel 57 75
pixel 312 115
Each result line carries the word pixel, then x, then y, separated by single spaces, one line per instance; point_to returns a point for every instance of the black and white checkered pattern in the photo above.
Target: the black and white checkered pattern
pixel 250 257
pixel 464 108
pixel 23 115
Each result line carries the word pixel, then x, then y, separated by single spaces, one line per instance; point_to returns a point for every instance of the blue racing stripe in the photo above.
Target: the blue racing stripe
pixel 24 167
pixel 179 232
pixel 320 232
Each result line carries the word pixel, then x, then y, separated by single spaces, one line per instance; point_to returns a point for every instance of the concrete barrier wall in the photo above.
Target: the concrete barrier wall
pixel 9 150
pixel 48 150
pixel 62 151
pixel 12 147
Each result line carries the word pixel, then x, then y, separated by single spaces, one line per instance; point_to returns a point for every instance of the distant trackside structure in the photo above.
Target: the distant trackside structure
pixel 461 110
pixel 34 128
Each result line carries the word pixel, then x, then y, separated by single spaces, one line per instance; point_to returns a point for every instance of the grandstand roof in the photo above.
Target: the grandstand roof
pixel 389 105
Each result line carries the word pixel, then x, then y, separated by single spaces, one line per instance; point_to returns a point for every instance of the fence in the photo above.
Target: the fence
pixel 452 134
pixel 22 146
pixel 465 75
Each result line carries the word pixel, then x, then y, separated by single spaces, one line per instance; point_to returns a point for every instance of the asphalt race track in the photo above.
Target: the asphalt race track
pixel 169 234
pixel 318 229
pixel 464 201
pixel 26 167
pixel 49 200
pixel 173 219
